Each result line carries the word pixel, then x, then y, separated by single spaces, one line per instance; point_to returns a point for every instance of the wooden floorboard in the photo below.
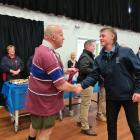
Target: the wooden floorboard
pixel 63 130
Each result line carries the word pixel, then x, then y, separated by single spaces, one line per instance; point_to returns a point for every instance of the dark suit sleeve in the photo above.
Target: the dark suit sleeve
pixel 84 66
pixel 92 77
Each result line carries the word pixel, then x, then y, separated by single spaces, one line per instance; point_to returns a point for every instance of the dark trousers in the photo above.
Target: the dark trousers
pixel 2 100
pixel 131 112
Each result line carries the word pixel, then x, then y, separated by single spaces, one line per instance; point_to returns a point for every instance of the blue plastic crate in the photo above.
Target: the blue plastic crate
pixel 68 95
pixel 96 88
pixel 18 97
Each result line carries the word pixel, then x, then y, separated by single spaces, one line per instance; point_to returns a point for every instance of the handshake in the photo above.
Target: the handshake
pixel 77 88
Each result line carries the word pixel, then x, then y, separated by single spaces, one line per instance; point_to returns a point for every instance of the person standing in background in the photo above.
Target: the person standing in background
pixel 11 64
pixel 101 103
pixel 72 63
pixel 85 66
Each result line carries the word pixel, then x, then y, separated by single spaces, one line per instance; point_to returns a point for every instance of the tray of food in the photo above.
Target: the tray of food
pixel 19 81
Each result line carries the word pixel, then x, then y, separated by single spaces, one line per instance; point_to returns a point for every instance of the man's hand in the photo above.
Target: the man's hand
pixel 136 97
pixel 77 89
pixel 15 72
pixel 70 87
pixel 71 70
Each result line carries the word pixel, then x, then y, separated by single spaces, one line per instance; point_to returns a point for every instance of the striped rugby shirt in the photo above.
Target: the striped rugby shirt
pixel 43 98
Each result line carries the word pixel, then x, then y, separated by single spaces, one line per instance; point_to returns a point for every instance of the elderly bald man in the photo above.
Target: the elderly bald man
pixel 46 83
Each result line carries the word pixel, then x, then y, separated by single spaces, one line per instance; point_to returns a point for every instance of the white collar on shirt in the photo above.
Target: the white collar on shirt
pixel 113 50
pixel 47 44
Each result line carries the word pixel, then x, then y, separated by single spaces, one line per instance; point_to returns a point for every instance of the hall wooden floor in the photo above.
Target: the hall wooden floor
pixel 65 129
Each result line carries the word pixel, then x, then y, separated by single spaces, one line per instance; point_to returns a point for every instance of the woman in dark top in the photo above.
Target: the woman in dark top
pixel 11 64
pixel 72 63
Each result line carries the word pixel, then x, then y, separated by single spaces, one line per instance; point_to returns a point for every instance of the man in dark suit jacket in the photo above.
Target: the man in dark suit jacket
pixel 120 69
pixel 85 66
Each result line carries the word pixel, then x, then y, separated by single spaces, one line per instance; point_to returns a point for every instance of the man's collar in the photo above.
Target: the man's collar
pixel 113 50
pixel 47 44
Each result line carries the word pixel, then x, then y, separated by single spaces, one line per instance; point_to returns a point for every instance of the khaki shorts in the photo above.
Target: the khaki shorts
pixel 43 122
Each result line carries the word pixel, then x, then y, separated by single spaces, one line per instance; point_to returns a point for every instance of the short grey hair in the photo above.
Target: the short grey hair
pixel 88 42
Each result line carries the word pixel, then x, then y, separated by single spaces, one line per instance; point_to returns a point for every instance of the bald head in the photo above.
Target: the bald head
pixel 52 29
pixel 54 34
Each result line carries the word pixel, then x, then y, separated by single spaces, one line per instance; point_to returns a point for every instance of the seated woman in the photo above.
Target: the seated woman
pixel 11 64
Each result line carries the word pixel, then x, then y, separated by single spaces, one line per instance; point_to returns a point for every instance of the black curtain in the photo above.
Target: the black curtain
pixel 25 34
pixel 105 12
pixel 135 15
